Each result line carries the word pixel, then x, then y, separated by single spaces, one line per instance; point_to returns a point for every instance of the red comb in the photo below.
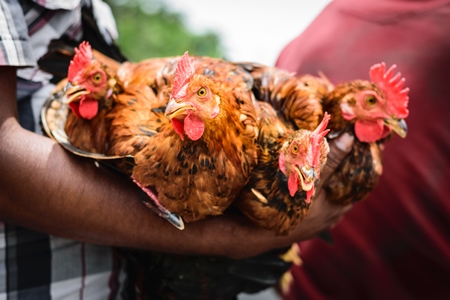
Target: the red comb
pixel 185 69
pixel 83 56
pixel 392 87
pixel 316 139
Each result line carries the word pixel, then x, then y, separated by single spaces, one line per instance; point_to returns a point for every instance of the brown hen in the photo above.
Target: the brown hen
pixel 370 110
pixel 198 162
pixel 278 195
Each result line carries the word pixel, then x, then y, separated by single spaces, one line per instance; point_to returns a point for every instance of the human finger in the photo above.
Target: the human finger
pixel 339 148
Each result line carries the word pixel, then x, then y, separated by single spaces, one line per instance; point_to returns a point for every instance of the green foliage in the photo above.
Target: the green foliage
pixel 148 29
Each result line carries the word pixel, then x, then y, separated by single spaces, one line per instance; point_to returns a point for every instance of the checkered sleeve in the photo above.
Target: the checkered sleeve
pixel 15 49
pixel 34 265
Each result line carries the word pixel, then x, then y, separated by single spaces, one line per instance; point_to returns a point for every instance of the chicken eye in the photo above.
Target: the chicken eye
pixel 295 149
pixel 97 78
pixel 201 92
pixel 371 100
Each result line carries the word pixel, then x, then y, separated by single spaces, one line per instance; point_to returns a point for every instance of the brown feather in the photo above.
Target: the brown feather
pixel 88 135
pixel 298 99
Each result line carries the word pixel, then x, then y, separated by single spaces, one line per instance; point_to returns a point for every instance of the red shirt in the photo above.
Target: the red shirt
pixel 396 243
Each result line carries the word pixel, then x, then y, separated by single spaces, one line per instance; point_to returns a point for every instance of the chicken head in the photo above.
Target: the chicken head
pixel 377 107
pixel 302 157
pixel 194 99
pixel 89 82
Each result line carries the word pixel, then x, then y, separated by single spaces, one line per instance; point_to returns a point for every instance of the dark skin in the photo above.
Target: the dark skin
pixel 47 189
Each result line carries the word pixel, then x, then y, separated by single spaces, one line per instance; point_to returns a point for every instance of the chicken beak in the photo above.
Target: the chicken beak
pixel 306 176
pixel 175 109
pixel 74 92
pixel 397 125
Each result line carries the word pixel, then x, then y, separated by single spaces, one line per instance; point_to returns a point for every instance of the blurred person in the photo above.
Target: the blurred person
pixel 60 214
pixel 394 244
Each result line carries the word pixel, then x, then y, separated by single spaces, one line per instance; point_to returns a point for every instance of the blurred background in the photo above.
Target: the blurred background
pixel 237 30
pixel 248 30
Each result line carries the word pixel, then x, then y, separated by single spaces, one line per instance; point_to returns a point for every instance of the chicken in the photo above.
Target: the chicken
pixel 196 164
pixel 370 110
pixel 278 195
pixel 89 94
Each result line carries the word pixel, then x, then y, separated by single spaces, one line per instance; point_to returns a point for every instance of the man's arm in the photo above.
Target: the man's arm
pixel 47 189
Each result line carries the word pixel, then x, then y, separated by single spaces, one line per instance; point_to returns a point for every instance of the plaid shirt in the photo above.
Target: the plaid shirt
pixel 35 265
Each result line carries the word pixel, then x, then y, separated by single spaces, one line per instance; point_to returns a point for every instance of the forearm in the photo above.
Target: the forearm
pixel 50 190
pixel 47 189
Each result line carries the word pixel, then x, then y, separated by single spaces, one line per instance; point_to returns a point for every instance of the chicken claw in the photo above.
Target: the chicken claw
pixel 160 210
